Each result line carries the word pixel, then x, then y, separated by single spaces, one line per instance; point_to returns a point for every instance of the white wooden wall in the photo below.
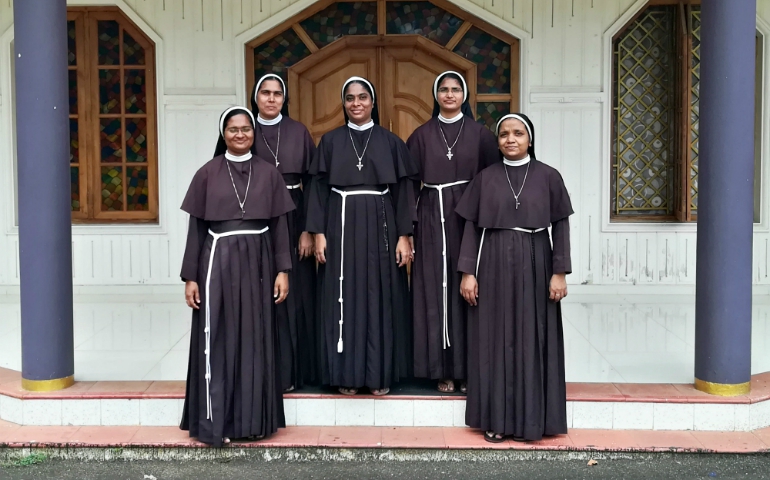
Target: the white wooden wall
pixel 565 68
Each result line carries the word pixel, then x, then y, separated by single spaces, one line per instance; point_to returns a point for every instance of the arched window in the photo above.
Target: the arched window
pixel 113 139
pixel 400 46
pixel 656 111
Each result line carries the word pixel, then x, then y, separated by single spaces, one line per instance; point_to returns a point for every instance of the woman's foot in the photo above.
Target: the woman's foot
pixel 493 437
pixel 380 391
pixel 464 387
pixel 446 386
pixel 348 391
pixel 290 389
pixel 225 441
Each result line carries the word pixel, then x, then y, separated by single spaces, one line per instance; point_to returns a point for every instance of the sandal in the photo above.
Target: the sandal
pixel 464 388
pixel 446 386
pixel 250 438
pixel 380 392
pixel 290 389
pixel 348 391
pixel 493 437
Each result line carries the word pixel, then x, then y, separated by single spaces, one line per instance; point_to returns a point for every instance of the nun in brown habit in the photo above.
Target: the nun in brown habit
pixel 450 150
pixel 288 145
pixel 237 243
pixel 514 280
pixel 361 206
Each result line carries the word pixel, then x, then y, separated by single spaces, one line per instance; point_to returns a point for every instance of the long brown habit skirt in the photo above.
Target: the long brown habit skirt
pixel 516 382
pixel 431 360
pixel 377 321
pixel 245 387
pixel 298 333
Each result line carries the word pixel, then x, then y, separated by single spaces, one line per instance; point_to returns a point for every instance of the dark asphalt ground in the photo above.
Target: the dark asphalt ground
pixel 644 467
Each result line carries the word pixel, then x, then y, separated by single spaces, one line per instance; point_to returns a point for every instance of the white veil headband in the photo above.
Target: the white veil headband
pixel 517 117
pixel 356 79
pixel 462 79
pixel 227 112
pixel 267 77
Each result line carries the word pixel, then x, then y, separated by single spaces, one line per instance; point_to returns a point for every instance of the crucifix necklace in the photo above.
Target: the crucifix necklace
pixel 516 195
pixel 246 194
pixel 449 153
pixel 277 145
pixel 360 157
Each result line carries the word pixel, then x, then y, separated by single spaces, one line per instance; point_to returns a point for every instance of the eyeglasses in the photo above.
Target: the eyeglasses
pixel 455 90
pixel 243 130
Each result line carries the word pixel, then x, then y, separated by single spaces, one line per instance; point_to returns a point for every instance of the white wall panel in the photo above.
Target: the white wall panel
pixel 200 75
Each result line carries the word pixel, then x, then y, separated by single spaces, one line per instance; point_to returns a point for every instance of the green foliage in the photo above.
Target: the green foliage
pixel 31 459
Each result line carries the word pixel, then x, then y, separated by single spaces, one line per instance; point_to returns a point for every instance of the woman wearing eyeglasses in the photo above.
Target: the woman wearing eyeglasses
pixel 234 269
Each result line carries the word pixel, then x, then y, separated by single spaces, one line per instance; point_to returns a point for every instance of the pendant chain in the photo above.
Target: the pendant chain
pixel 246 194
pixel 277 145
pixel 360 157
pixel 449 153
pixel 516 195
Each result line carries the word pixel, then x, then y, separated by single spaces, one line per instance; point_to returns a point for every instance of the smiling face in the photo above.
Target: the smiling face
pixel 239 134
pixel 270 99
pixel 513 139
pixel 450 97
pixel 358 104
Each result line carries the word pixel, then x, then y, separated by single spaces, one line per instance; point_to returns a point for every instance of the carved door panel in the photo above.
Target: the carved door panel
pixel 318 103
pixel 402 69
pixel 406 85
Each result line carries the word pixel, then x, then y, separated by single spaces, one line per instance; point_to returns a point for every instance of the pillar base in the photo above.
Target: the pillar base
pixel 47 385
pixel 723 389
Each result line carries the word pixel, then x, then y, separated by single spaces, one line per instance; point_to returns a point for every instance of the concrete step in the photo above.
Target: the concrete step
pixel 589 406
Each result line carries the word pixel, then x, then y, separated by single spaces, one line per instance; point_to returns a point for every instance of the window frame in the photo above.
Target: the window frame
pixel 633 223
pixel 511 98
pixel 88 102
pixel 681 164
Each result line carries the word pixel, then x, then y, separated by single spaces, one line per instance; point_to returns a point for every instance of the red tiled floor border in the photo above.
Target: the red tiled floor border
pixel 10 385
pixel 437 438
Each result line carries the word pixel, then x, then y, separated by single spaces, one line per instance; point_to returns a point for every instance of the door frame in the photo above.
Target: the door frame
pixel 469 20
pixel 418 42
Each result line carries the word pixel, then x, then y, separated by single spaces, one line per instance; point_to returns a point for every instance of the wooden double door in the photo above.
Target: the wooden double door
pixel 401 68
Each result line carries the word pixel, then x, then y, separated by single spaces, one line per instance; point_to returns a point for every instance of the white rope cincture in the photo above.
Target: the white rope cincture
pixel 440 189
pixel 293 187
pixel 207 329
pixel 344 196
pixel 481 243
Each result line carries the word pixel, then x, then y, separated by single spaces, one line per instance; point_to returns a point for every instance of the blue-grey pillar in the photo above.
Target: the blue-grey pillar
pixel 45 228
pixel 726 197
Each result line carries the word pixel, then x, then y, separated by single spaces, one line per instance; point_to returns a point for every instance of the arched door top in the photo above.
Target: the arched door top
pixel 441 26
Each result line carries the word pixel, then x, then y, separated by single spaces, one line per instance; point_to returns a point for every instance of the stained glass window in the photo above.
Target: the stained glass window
pixel 491 50
pixel 645 62
pixel 656 73
pixel 278 54
pixel 422 18
pixel 72 62
pixel 694 111
pixel 338 19
pixel 113 158
pixel 492 57
pixel 488 113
